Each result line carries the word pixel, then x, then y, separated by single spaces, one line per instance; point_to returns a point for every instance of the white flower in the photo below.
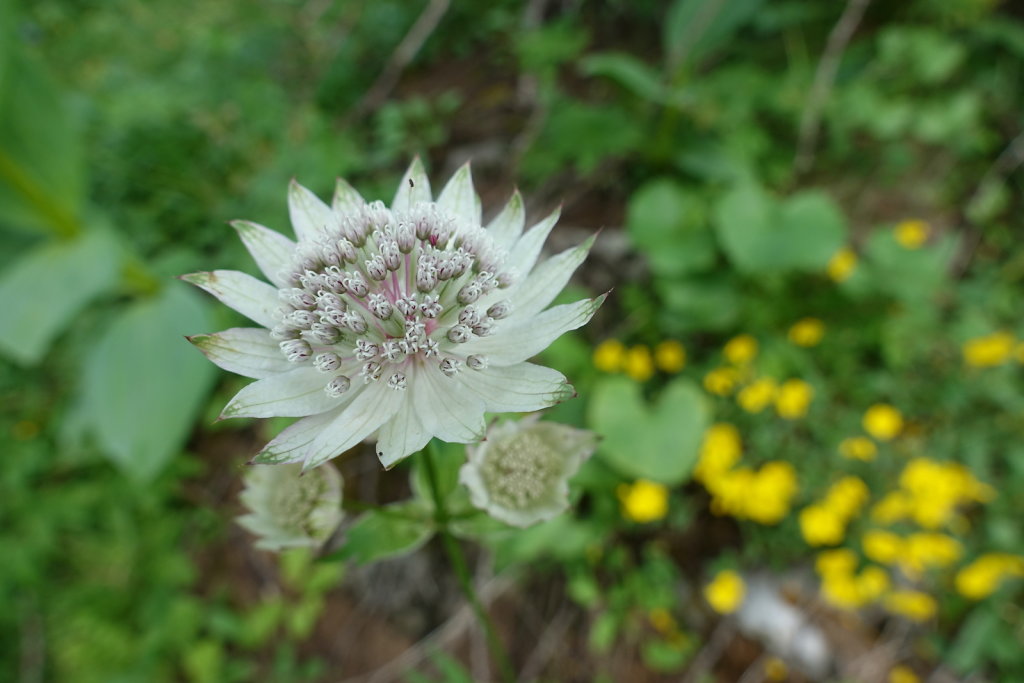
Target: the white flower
pixel 521 473
pixel 406 322
pixel 289 508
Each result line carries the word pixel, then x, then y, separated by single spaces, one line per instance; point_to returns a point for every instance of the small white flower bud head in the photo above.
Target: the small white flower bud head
pixel 330 255
pixel 371 371
pixel 392 257
pixel 296 350
pixel 366 350
pixel 460 334
pixel 462 262
pixel 326 300
pixel 311 281
pixel 426 277
pixel 484 328
pixel 327 362
pixel 377 215
pixel 506 278
pixel 284 332
pixel 500 310
pixel 353 230
pixel 440 233
pixel 307 258
pixel 406 306
pixel 446 268
pixel 296 298
pixel 354 322
pixel 469 316
pixel 347 250
pixel 338 386
pixel 289 508
pixel 405 237
pixel 355 284
pixel 300 319
pixel 450 366
pixel 334 317
pixel 476 362
pixel 470 292
pixel 375 267
pixel 397 382
pixel 324 334
pixel 520 473
pixel 380 306
pixel 430 348
pixel 431 308
pixel 393 350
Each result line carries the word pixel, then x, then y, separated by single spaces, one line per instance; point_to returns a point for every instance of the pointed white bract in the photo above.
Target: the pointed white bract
pixel 521 473
pixel 402 323
pixel 289 508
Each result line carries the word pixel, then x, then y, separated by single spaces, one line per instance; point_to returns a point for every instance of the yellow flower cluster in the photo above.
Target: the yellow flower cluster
pixel 643 501
pixel 807 332
pixel 763 495
pixel 793 399
pixel 757 395
pixel 911 234
pixel 824 523
pixel 913 554
pixel 740 350
pixel 990 350
pixel 722 381
pixel 842 264
pixel 883 422
pixel 843 586
pixel 858 448
pixel 726 591
pixel 929 493
pixel 638 361
pixel 982 578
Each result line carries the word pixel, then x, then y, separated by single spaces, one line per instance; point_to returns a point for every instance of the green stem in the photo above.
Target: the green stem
pixel 458 560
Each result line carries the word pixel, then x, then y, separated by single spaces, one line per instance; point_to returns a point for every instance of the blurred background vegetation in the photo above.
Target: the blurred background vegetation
pixel 753 164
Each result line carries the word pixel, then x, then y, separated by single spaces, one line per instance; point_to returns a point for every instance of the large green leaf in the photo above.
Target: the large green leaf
pixel 761 234
pixel 144 385
pixel 669 224
pixel 41 166
pixel 46 287
pixel 393 530
pixel 658 442
pixel 912 275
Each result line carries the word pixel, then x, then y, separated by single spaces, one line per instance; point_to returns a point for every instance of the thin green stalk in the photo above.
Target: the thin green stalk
pixel 458 560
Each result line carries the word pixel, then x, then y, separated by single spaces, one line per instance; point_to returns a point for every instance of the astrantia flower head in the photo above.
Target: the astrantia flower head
pixel 521 473
pixel 289 508
pixel 406 322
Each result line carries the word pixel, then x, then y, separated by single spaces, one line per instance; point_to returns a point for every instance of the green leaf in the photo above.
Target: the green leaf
pixel 448 459
pixel 669 224
pixel 394 530
pixel 693 29
pixel 700 303
pixel 911 275
pixel 629 72
pixel 144 385
pixel 659 442
pixel 41 166
pixel 971 647
pixel 761 234
pixel 49 285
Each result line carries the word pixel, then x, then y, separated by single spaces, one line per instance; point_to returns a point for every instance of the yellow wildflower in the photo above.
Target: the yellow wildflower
pixel 882 546
pixel 924 550
pixel 858 448
pixel 721 381
pixel 935 490
pixel 912 604
pixel 989 351
pixel 872 583
pixel 756 396
pixel 982 578
pixel 846 496
pixel 643 500
pixel 807 332
pixel 609 355
pixel 670 356
pixel 835 562
pixel 821 525
pixel 720 450
pixel 911 234
pixel 793 398
pixel 730 491
pixel 893 507
pixel 883 422
pixel 771 492
pixel 740 350
pixel 840 266
pixel 726 591
pixel 903 674
pixel 638 363
pixel 842 591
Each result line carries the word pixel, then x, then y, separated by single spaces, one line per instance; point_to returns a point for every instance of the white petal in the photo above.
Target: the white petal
pixel 308 214
pixel 375 405
pixel 271 250
pixel 414 188
pixel 458 197
pixel 247 351
pixel 292 444
pixel 507 226
pixel 519 388
pixel 253 298
pixel 518 342
pixel 297 393
pixel 524 254
pixel 532 295
pixel 401 436
pixel 346 198
pixel 448 412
